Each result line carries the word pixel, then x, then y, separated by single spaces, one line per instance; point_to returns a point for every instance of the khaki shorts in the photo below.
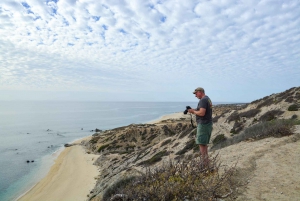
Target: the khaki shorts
pixel 203 133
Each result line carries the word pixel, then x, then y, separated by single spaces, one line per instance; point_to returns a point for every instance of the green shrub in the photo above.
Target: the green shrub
pixel 185 132
pixel 152 137
pixel 122 137
pixel 133 139
pixel 166 142
pixel 141 154
pixel 175 145
pixel 103 147
pixel 216 118
pixel 267 102
pixel 218 139
pixel 189 146
pixel 270 115
pixel 294 116
pixel 293 107
pixel 157 157
pixel 237 127
pixel 233 117
pixel 289 99
pixel 286 93
pixel 250 113
pixel 93 141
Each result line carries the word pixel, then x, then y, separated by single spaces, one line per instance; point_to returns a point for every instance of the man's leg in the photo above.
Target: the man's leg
pixel 202 138
pixel 204 154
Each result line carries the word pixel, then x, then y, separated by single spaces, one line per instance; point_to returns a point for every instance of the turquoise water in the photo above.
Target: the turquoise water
pixel 35 130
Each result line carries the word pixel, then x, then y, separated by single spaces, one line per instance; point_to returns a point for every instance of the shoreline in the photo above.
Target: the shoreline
pixel 62 175
pixel 51 160
pixel 76 177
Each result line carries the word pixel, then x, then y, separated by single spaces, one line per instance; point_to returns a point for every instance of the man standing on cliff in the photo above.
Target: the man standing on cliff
pixel 204 122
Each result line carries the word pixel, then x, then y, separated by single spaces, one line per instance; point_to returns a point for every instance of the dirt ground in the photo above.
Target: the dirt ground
pixel 270 167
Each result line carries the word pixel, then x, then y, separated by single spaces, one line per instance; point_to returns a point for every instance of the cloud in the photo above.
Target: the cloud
pixel 153 45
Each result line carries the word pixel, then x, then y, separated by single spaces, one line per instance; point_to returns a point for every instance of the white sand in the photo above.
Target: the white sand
pixel 71 178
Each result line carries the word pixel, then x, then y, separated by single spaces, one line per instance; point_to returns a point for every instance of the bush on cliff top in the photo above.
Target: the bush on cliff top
pixel 187 180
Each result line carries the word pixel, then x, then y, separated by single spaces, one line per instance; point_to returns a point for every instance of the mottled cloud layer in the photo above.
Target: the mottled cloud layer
pixel 150 49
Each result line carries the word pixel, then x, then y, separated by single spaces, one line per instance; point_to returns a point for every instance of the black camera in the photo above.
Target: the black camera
pixel 187 108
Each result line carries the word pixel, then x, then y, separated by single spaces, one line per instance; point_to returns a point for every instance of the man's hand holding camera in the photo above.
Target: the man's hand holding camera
pixel 191 111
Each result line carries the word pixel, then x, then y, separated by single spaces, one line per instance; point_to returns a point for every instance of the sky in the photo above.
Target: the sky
pixel 148 50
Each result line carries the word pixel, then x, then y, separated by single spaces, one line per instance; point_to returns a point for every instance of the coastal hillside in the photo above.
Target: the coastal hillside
pixel 259 139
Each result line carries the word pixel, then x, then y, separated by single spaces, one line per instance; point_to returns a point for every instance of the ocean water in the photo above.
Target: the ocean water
pixel 37 131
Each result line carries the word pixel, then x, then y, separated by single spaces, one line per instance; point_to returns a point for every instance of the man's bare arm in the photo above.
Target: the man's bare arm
pixel 201 112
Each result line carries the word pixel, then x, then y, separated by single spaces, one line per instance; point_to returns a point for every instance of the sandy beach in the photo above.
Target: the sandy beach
pixel 71 178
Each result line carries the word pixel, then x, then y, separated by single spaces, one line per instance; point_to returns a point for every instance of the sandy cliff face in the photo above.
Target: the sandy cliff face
pixel 270 166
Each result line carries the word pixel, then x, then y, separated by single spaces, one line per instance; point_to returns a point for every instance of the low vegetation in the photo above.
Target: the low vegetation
pixel 218 139
pixel 154 159
pixel 293 107
pixel 294 116
pixel 233 117
pixel 186 180
pixel 275 128
pixel 237 127
pixel 270 115
pixel 103 147
pixel 189 146
pixel 216 118
pixel 250 113
pixel 267 102
pixel 164 143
